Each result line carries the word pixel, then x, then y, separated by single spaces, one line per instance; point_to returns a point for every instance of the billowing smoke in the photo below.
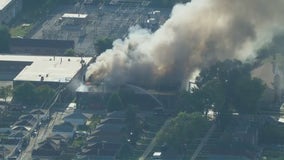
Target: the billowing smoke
pixel 196 35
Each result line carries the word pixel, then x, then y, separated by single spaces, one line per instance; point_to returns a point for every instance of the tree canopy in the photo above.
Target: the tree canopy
pixel 28 94
pixel 103 44
pixel 5 92
pixel 183 129
pixel 4 39
pixel 225 87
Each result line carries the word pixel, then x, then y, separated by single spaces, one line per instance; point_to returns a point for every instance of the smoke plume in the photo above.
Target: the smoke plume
pixel 196 35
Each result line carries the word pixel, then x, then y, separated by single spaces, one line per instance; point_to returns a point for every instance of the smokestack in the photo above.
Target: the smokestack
pixel 196 35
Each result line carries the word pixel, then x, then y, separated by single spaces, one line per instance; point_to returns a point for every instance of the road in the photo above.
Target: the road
pixel 153 143
pixel 203 142
pixel 43 133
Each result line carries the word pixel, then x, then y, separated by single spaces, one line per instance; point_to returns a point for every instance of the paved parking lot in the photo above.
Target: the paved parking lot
pixel 103 21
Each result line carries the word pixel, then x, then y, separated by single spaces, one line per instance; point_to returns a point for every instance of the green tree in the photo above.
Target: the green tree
pixel 44 93
pixel 4 39
pixel 183 129
pixel 25 94
pixel 5 92
pixel 228 86
pixel 28 94
pixel 70 52
pixel 103 44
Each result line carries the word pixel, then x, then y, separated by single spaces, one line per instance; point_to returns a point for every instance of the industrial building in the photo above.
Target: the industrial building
pixel 51 70
pixel 40 46
pixel 9 9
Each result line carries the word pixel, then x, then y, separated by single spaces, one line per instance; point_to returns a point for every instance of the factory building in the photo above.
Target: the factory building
pixel 51 70
pixel 9 9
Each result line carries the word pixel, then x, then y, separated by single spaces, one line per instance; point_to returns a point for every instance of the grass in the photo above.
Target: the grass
pixel 20 31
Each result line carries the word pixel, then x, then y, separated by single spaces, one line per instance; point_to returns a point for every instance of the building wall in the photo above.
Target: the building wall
pixel 10 11
pixel 37 50
pixel 9 70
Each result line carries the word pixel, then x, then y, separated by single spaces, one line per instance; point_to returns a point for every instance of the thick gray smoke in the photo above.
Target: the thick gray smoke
pixel 196 35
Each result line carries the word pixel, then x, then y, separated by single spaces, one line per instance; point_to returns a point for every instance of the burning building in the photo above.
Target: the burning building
pixel 196 35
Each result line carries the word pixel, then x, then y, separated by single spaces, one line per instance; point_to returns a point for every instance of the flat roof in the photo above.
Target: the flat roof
pixel 74 15
pixel 4 3
pixel 52 68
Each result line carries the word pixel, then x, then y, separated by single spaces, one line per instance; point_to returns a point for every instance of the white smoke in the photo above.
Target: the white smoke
pixel 196 35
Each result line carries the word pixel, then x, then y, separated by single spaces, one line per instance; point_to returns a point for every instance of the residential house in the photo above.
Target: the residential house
pixel 28 117
pixel 20 129
pixel 113 121
pixel 65 129
pixel 245 130
pixel 49 149
pixel 25 123
pixel 107 139
pixel 100 151
pixel 42 114
pixel 17 135
pixel 4 152
pixel 76 118
pixel 116 115
pixel 10 144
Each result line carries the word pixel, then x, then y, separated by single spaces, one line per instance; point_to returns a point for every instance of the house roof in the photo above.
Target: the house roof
pixel 64 127
pixel 18 134
pixel 118 139
pixel 21 128
pixel 76 115
pixel 99 132
pixel 101 149
pixel 38 111
pixel 112 121
pixel 116 114
pixel 57 137
pixel 51 69
pixel 28 117
pixel 6 141
pixel 111 127
pixel 19 42
pixel 48 148
pixel 25 122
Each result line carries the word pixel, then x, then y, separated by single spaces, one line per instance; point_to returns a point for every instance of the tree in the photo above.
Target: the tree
pixel 44 93
pixel 70 52
pixel 28 94
pixel 183 129
pixel 5 92
pixel 25 94
pixel 4 39
pixel 103 44
pixel 228 86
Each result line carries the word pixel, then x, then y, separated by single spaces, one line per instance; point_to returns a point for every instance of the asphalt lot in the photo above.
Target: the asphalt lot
pixel 102 21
